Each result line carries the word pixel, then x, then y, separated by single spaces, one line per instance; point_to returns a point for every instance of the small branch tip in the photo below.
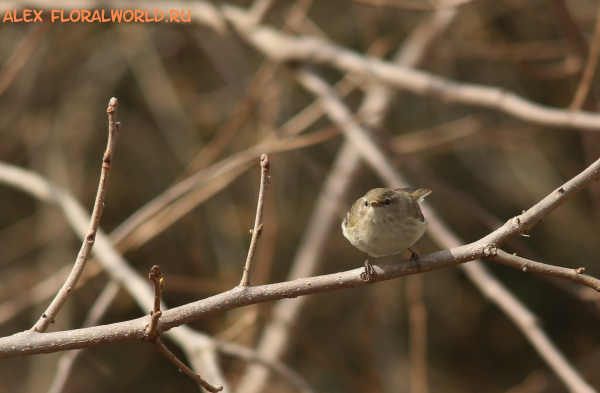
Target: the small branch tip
pixel 264 163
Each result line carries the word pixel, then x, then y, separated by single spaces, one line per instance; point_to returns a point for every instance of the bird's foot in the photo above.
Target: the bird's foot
pixel 369 272
pixel 415 257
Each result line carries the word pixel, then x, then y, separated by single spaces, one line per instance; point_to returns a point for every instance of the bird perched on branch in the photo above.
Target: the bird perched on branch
pixel 386 222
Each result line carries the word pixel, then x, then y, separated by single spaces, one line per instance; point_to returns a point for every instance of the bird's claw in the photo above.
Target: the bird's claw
pixel 369 272
pixel 415 257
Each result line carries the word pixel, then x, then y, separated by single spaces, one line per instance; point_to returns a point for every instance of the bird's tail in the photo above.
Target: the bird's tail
pixel 420 194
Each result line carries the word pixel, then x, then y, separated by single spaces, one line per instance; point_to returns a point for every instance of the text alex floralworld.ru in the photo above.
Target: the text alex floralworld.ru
pixel 97 16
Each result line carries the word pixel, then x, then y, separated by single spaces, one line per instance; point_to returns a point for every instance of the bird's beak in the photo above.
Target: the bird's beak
pixel 374 204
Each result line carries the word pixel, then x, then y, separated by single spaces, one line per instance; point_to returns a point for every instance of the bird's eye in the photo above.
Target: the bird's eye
pixel 366 204
pixel 387 202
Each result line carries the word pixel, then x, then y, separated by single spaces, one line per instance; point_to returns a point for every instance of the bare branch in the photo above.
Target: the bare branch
pixel 29 343
pixel 155 276
pixel 258 226
pixel 63 294
pixel 575 275
pixel 182 367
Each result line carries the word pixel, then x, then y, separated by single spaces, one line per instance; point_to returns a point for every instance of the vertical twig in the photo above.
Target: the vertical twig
pixel 63 294
pixel 589 69
pixel 159 283
pixel 154 335
pixel 264 183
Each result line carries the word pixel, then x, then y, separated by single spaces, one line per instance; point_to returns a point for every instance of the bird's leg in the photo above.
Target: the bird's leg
pixel 369 272
pixel 415 257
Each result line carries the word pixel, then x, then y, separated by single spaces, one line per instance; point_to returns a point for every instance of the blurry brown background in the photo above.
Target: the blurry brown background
pixel 179 84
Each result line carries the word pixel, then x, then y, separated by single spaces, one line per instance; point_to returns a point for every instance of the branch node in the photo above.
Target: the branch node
pixel 580 270
pixel 524 268
pixel 560 191
pixel 490 250
pixel 519 223
pixel 155 277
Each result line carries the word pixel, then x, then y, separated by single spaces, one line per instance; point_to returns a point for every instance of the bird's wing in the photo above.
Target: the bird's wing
pixel 352 218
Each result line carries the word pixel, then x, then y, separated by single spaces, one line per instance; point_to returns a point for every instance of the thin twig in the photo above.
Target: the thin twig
pixel 63 294
pixel 182 367
pixel 258 226
pixel 575 275
pixel 590 68
pixel 158 282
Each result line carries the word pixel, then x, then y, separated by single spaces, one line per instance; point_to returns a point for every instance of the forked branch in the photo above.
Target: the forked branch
pixel 158 282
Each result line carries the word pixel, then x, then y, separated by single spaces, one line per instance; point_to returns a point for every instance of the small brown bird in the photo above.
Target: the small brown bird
pixel 386 222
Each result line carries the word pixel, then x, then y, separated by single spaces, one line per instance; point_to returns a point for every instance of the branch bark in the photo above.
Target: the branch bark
pixel 575 275
pixel 65 292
